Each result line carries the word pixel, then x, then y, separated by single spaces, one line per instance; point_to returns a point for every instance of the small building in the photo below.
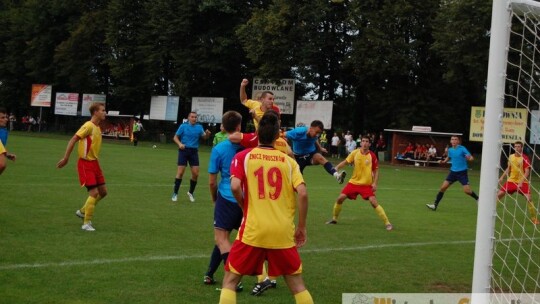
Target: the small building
pixel 421 135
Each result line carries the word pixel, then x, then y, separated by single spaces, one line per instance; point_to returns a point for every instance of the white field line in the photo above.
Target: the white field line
pixel 206 256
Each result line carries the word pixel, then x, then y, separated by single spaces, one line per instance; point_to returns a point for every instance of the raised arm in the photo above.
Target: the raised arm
pixel 243 94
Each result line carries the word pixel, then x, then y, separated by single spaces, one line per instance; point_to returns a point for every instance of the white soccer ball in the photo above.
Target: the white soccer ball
pixel 154 146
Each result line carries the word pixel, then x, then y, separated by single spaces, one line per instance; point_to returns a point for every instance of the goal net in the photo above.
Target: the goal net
pixel 514 267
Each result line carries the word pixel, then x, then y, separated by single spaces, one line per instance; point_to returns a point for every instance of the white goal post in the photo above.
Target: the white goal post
pixel 507 251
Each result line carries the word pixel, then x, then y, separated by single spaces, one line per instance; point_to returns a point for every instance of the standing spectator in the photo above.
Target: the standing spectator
pixel 381 144
pixel 323 140
pixel 334 146
pixel 90 174
pixel 306 148
pixel 32 124
pixel 257 107
pixel 519 167
pixel 12 121
pixel 363 181
pixel 348 137
pixel 137 129
pixel 220 136
pixel 187 138
pixel 458 171
pixel 227 213
pixel 268 231
pixel 351 146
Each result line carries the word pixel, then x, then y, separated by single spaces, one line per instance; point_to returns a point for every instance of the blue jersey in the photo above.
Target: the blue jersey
pixel 302 144
pixel 220 161
pixel 458 156
pixel 189 134
pixel 3 136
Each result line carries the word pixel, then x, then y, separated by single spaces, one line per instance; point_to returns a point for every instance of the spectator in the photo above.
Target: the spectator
pixel 432 152
pixel 420 151
pixel 351 146
pixel 323 140
pixel 409 151
pixel 381 144
pixel 334 146
pixel 12 121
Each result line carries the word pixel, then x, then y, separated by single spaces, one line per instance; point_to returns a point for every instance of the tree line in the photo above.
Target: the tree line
pixel 386 64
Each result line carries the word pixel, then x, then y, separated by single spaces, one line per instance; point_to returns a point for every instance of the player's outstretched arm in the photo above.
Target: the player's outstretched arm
pixel 69 149
pixel 243 94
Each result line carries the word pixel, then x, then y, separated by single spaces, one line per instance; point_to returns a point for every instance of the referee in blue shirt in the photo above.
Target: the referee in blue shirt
pixel 187 138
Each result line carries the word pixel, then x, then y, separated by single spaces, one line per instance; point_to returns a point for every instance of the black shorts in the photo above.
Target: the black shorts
pixel 304 160
pixel 188 155
pixel 227 215
pixel 460 176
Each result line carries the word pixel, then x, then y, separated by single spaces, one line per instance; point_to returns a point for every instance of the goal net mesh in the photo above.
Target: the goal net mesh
pixel 516 244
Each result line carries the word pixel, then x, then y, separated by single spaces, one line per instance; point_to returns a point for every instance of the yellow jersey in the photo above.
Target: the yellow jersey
pixel 2 148
pixel 518 164
pixel 364 166
pixel 89 141
pixel 269 179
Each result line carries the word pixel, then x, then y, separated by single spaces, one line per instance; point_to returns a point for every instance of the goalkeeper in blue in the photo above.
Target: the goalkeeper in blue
pixel 459 155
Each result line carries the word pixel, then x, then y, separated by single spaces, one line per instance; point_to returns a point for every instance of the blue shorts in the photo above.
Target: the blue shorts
pixel 304 160
pixel 227 215
pixel 460 176
pixel 190 155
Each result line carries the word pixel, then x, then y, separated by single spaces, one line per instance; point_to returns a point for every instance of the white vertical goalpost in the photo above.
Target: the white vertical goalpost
pixel 507 251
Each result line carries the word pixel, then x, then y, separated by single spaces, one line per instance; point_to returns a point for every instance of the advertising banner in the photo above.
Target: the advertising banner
pixel 209 109
pixel 41 95
pixel 89 99
pixel 283 93
pixel 164 107
pixel 66 104
pixel 308 111
pixel 513 129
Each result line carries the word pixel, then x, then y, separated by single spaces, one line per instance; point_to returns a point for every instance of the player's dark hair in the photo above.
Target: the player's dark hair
pixel 3 110
pixel 231 120
pixel 94 107
pixel 263 94
pixel 366 137
pixel 516 143
pixel 317 123
pixel 268 128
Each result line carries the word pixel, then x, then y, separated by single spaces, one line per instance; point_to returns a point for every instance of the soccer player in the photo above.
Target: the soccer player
pixel 306 147
pixel 227 213
pixel 518 169
pixel 4 154
pixel 458 171
pixel 264 182
pixel 3 162
pixel 363 181
pixel 257 107
pixel 187 138
pixel 90 174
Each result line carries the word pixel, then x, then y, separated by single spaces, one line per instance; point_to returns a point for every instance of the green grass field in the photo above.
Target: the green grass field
pixel 147 249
